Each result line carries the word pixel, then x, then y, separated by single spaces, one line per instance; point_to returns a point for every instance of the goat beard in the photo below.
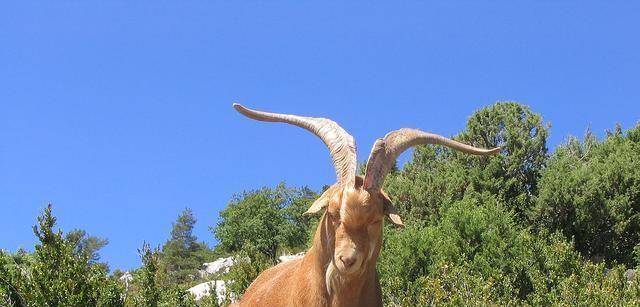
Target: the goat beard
pixel 332 277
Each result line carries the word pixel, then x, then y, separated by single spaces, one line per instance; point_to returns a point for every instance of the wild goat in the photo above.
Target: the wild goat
pixel 340 268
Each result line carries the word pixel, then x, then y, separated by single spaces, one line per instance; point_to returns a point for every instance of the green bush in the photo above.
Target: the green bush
pixel 477 254
pixel 437 176
pixel 146 278
pixel 55 274
pixel 591 192
pixel 475 237
pixel 266 221
pixel 176 296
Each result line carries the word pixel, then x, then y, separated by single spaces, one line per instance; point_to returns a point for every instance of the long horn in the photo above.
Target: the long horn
pixel 385 151
pixel 341 145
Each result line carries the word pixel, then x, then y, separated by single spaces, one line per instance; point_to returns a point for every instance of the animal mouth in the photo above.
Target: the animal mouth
pixel 346 271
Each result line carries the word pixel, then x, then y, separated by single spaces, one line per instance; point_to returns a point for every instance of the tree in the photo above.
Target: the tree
pixel 591 192
pixel 467 239
pixel 87 246
pixel 430 180
pixel 437 176
pixel 265 220
pixel 513 175
pixel 182 253
pixel 12 282
pixel 478 254
pixel 257 225
pixel 55 275
pixel 146 278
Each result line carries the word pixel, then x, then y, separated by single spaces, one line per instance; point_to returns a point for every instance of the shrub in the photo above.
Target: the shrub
pixel 591 192
pixel 55 274
pixel 477 254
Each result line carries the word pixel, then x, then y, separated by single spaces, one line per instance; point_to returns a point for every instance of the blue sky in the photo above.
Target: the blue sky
pixel 120 114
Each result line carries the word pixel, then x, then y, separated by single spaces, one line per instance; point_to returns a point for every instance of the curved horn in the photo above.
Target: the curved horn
pixel 341 145
pixel 386 150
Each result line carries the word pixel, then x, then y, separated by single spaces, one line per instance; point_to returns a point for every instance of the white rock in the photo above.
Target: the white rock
pixel 285 258
pixel 204 289
pixel 126 277
pixel 219 266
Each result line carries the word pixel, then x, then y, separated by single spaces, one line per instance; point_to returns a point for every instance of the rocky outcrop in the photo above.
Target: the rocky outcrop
pixel 285 258
pixel 220 266
pixel 207 288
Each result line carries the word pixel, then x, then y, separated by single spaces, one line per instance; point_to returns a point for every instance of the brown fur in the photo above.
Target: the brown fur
pixel 351 227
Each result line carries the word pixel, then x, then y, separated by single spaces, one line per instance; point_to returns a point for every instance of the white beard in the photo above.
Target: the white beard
pixel 331 278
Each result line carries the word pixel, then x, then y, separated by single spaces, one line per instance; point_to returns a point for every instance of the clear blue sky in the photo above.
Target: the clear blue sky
pixel 120 114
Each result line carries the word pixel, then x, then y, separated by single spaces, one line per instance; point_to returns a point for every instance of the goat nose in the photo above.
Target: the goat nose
pixel 348 261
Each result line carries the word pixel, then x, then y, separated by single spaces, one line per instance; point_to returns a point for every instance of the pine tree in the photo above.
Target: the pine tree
pixel 182 253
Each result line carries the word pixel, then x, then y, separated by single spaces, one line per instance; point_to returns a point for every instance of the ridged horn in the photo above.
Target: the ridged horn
pixel 341 145
pixel 385 151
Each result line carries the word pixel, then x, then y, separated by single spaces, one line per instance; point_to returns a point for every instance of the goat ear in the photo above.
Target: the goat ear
pixel 323 201
pixel 317 205
pixel 391 212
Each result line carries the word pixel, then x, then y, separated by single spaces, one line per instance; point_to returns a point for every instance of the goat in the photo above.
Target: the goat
pixel 340 267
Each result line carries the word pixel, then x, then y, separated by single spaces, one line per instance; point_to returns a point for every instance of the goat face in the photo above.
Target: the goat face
pixel 358 230
pixel 353 220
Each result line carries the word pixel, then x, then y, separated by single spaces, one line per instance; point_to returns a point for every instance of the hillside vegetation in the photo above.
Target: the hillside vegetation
pixel 526 227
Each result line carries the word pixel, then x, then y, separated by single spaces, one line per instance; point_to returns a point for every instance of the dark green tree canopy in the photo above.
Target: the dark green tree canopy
pixel 438 176
pixel 57 273
pixel 147 277
pixel 182 255
pixel 266 220
pixel 182 231
pixel 513 175
pixel 86 245
pixel 591 192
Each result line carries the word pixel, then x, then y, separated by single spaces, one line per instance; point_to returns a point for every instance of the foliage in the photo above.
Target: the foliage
pixel 471 237
pixel 476 255
pixel 147 278
pixel 12 280
pixel 248 265
pixel 591 192
pixel 182 254
pixel 266 220
pixel 176 296
pixel 257 225
pixel 86 245
pixel 211 301
pixel 55 274
pixel 520 228
pixel 513 175
pixel 438 176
